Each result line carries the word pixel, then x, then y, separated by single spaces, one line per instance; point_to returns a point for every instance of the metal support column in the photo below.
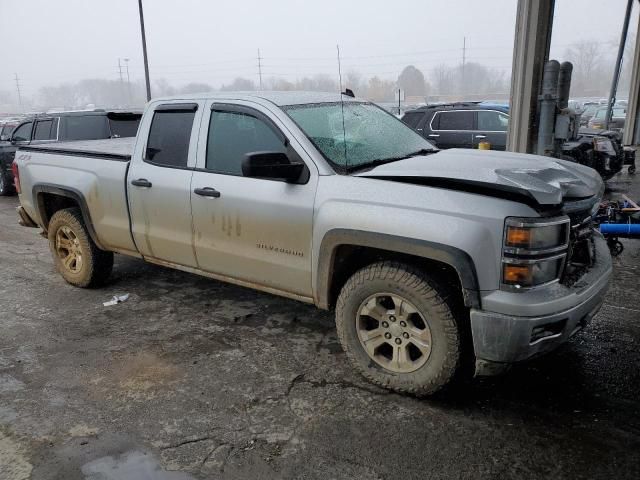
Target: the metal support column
pixel 632 124
pixel 534 20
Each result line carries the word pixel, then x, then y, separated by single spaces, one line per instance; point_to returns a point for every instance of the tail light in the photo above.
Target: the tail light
pixel 16 176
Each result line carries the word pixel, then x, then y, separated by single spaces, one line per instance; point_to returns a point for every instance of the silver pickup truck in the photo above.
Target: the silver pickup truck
pixel 432 260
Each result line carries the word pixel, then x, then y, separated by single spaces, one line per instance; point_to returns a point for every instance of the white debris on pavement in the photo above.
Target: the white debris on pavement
pixel 117 299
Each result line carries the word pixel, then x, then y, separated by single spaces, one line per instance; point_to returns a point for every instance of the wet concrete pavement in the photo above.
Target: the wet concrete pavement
pixel 193 379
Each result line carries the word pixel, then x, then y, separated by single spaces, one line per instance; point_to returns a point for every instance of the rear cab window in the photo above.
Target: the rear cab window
pixel 170 135
pixel 124 125
pixel 86 127
pixel 412 119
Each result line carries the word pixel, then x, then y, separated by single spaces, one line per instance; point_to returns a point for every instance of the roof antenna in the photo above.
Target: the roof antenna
pixel 344 132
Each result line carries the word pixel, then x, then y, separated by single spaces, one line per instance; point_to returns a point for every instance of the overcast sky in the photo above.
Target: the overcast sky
pixel 51 42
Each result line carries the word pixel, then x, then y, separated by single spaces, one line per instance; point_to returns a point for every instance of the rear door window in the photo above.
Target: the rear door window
pixel 169 136
pixel 23 132
pixel 46 129
pixel 86 127
pixel 460 120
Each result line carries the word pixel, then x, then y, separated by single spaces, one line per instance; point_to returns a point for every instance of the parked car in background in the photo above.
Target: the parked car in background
pixel 6 128
pixel 461 124
pixel 588 112
pixel 64 126
pixel 618 117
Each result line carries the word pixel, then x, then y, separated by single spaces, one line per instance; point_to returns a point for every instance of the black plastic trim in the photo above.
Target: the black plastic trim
pixel 78 153
pixel 68 192
pixel 456 258
pixel 176 107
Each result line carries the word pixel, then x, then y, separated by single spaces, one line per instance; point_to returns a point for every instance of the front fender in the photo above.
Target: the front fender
pixel 454 257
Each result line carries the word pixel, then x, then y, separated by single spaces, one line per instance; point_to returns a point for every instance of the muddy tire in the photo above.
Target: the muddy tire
pixel 75 255
pixel 6 186
pixel 397 327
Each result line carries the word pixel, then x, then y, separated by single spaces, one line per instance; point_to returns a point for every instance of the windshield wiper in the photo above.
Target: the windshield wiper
pixel 382 161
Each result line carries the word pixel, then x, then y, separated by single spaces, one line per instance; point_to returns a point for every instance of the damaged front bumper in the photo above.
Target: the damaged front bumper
pixel 515 326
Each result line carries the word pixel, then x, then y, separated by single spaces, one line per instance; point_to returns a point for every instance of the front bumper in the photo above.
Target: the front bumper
pixel 515 326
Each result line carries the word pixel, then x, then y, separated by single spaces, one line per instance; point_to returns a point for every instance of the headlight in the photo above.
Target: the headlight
pixel 535 236
pixel 529 273
pixel 534 251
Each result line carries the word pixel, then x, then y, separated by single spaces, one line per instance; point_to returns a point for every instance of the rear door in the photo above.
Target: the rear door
pixel 491 126
pixel 452 129
pixel 159 184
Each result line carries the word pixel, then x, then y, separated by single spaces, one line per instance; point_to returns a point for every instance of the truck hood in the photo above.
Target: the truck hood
pixel 534 179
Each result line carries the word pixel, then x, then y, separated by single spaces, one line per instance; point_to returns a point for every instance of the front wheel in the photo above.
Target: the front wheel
pixel 397 327
pixel 76 256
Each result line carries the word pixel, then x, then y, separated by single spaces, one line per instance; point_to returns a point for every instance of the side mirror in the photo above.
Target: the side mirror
pixel 4 138
pixel 273 165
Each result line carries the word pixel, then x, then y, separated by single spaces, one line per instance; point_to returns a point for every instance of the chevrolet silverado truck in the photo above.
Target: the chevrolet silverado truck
pixel 432 260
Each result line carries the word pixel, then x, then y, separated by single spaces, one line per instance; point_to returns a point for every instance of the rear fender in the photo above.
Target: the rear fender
pixel 40 189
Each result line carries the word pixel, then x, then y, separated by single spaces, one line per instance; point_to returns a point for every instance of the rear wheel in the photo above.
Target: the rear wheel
pixel 398 329
pixel 6 188
pixel 76 256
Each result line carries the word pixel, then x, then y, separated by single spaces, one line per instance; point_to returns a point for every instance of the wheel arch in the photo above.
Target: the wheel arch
pixel 50 198
pixel 362 247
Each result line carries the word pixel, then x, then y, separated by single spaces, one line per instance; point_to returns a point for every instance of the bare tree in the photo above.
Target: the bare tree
pixel 587 78
pixel 196 87
pixel 412 81
pixel 240 84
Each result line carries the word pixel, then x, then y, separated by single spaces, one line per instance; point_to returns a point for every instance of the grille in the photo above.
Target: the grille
pixel 581 252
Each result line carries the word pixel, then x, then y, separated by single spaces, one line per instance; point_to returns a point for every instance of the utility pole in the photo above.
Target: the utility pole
pixel 260 68
pixel 19 94
pixel 616 73
pixel 120 72
pixel 126 62
pixel 464 60
pixel 144 51
pixel 121 81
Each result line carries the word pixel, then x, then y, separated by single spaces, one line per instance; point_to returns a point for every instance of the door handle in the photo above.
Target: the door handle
pixel 434 135
pixel 141 182
pixel 481 136
pixel 207 192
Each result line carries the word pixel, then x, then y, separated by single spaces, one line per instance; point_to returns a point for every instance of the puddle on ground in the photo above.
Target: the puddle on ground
pixel 134 465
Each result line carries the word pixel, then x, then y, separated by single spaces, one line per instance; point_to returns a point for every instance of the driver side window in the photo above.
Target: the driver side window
pixel 234 134
pixel 22 133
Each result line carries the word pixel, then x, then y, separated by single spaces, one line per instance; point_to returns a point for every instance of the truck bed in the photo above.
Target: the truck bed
pixel 111 148
pixel 94 173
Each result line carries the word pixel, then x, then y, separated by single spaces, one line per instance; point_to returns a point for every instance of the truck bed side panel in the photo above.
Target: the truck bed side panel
pixel 100 182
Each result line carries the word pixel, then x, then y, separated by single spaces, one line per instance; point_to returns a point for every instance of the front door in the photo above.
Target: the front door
pixel 159 185
pixel 253 230
pixel 491 127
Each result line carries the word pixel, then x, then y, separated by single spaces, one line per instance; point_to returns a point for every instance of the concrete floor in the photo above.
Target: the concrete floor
pixel 192 378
